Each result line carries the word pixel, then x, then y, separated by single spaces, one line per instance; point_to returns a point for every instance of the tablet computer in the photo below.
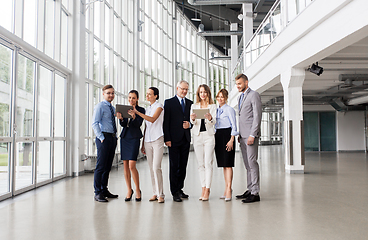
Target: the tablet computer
pixel 123 109
pixel 201 112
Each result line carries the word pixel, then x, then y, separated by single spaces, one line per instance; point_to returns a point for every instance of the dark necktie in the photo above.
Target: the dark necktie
pixel 182 104
pixel 113 118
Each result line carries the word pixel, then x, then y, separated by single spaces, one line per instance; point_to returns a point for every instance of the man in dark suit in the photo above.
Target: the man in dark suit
pixel 177 138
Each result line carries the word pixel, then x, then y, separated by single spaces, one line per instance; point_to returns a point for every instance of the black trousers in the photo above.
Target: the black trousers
pixel 178 157
pixel 105 156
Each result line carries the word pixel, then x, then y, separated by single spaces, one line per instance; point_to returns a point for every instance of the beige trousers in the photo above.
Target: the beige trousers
pixel 154 152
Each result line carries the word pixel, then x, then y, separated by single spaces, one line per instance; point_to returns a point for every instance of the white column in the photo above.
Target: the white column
pixel 234 46
pixel 77 97
pixel 136 44
pixel 247 25
pixel 292 83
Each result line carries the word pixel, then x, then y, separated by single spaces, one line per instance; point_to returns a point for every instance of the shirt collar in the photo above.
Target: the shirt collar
pixel 180 98
pixel 106 102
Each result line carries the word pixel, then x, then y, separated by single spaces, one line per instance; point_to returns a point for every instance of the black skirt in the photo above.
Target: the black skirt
pixel 129 148
pixel 224 158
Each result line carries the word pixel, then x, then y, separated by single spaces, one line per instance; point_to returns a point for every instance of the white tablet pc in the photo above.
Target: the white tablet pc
pixel 123 109
pixel 201 112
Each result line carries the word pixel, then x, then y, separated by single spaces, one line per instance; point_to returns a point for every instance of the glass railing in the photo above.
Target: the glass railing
pixel 268 30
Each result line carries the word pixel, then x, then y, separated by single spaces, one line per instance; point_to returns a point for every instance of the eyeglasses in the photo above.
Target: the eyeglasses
pixel 184 89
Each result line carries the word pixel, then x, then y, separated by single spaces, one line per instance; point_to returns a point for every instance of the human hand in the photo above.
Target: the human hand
pixel 132 113
pixel 168 143
pixel 119 116
pixel 186 125
pixel 208 116
pixel 143 150
pixel 229 145
pixel 193 116
pixel 250 140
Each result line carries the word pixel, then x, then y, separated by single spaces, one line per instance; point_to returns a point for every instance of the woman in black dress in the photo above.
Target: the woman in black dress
pixel 129 144
pixel 224 140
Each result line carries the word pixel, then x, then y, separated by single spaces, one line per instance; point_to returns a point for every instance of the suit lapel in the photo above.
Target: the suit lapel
pixel 245 96
pixel 177 102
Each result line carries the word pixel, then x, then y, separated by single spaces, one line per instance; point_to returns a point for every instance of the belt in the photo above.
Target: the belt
pixel 109 134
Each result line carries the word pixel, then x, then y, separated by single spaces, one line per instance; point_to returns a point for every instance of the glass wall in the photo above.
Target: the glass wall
pixel 109 56
pixel 218 72
pixel 28 124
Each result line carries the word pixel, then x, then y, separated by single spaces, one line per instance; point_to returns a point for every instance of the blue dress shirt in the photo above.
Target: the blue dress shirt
pixel 102 121
pixel 226 118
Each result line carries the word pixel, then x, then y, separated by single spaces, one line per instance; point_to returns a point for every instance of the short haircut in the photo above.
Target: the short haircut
pixel 224 93
pixel 182 81
pixel 241 75
pixel 208 91
pixel 107 87
pixel 155 92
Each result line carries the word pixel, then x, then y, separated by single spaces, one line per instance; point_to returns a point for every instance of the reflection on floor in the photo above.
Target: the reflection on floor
pixel 329 201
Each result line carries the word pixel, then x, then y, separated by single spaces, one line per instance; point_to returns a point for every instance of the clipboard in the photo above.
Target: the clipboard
pixel 201 112
pixel 123 109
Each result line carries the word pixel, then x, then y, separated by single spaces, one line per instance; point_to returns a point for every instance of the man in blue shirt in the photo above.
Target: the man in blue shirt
pixel 104 126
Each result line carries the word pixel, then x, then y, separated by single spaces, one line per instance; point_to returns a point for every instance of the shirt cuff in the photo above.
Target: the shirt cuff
pixel 252 136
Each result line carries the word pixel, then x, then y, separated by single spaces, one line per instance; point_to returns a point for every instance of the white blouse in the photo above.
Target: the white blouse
pixel 154 130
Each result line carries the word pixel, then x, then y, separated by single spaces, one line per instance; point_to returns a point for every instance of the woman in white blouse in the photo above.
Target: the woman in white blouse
pixel 153 141
pixel 203 132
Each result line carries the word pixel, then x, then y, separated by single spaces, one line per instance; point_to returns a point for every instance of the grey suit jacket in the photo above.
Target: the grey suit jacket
pixel 250 114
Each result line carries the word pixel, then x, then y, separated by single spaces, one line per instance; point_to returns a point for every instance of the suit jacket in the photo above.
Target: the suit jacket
pixel 173 121
pixel 134 129
pixel 250 114
pixel 210 125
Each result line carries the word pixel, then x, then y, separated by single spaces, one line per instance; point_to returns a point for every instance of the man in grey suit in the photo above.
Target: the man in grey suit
pixel 250 115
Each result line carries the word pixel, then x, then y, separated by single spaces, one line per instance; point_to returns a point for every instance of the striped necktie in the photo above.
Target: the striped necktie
pixel 113 118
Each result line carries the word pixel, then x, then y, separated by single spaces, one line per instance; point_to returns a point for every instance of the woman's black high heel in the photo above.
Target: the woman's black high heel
pixel 139 199
pixel 129 198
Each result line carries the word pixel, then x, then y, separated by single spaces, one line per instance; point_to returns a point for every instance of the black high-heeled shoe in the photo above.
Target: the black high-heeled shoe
pixel 129 198
pixel 139 199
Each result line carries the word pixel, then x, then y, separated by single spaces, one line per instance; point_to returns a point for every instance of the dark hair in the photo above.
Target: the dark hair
pixel 224 93
pixel 107 87
pixel 208 91
pixel 241 75
pixel 136 93
pixel 155 92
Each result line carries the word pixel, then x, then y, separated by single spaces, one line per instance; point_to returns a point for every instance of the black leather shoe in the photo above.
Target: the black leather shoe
pixel 183 195
pixel 252 198
pixel 138 199
pixel 246 194
pixel 110 195
pixel 129 198
pixel 176 198
pixel 100 198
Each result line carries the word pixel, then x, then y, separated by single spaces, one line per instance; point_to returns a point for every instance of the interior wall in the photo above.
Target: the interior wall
pixel 350 131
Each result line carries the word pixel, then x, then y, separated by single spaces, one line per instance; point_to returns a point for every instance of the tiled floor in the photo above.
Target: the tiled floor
pixel 329 201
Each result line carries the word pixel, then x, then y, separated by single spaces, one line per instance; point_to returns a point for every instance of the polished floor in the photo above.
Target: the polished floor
pixel 329 201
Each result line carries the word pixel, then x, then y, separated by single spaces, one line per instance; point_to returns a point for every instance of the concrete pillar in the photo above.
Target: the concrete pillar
pixel 292 83
pixel 247 25
pixel 77 91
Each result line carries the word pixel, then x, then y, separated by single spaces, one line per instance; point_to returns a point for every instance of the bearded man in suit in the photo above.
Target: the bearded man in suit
pixel 250 115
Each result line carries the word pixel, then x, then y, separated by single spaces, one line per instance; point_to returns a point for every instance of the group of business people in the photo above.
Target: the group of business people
pixel 171 124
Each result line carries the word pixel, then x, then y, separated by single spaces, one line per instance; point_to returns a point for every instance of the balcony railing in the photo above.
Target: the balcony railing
pixel 268 30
